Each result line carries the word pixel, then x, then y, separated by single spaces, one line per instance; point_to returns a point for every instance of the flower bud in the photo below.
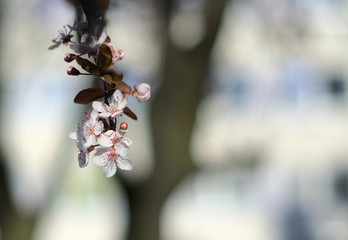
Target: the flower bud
pixel 73 71
pixel 142 92
pixel 117 55
pixel 69 57
pixel 123 126
pixel 121 54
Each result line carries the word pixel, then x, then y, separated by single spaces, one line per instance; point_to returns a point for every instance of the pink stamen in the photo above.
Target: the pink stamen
pixel 113 156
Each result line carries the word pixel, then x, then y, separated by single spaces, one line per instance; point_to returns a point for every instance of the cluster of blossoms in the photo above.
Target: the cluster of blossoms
pixel 97 135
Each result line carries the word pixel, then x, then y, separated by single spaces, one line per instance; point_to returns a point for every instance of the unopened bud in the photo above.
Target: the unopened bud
pixel 117 55
pixel 142 92
pixel 73 71
pixel 69 57
pixel 123 126
pixel 121 54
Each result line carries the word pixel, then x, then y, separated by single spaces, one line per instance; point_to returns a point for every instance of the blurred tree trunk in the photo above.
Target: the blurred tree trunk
pixel 13 225
pixel 173 116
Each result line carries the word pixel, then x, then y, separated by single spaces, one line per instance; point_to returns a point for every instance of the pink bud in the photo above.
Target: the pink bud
pixel 123 126
pixel 117 55
pixel 142 92
pixel 121 54
pixel 69 57
pixel 73 71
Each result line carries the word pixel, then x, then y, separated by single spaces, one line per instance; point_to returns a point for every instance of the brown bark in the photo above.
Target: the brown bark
pixel 173 116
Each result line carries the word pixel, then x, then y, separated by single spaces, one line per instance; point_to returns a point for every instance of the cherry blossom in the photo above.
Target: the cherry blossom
pixel 115 107
pixel 112 153
pixel 88 129
pixel 89 43
pixel 63 37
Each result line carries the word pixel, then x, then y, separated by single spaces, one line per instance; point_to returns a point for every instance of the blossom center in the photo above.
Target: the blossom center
pixel 112 156
pixel 113 107
pixel 116 140
pixel 88 130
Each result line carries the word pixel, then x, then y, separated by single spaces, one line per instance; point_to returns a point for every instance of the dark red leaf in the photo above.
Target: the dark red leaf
pixel 87 65
pixel 124 87
pixel 104 58
pixel 130 113
pixel 111 76
pixel 88 95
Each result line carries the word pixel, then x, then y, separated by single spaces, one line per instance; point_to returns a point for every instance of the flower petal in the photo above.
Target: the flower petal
pixel 109 169
pixel 115 114
pixel 102 37
pixel 62 32
pixel 88 40
pixel 75 47
pixel 122 104
pixel 127 142
pixel 110 133
pixel 73 135
pixel 117 96
pixel 98 128
pixel 89 141
pixel 118 133
pixel 81 48
pixel 98 106
pixel 121 150
pixel 94 116
pixel 83 159
pixel 57 44
pixel 101 156
pixel 104 140
pixel 104 114
pixel 81 146
pixel 124 163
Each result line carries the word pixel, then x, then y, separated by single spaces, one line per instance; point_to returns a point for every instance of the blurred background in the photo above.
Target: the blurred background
pixel 245 136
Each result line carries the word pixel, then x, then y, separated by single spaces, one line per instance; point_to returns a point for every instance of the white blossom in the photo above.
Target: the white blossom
pixel 89 43
pixel 87 130
pixel 60 38
pixel 112 153
pixel 115 107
